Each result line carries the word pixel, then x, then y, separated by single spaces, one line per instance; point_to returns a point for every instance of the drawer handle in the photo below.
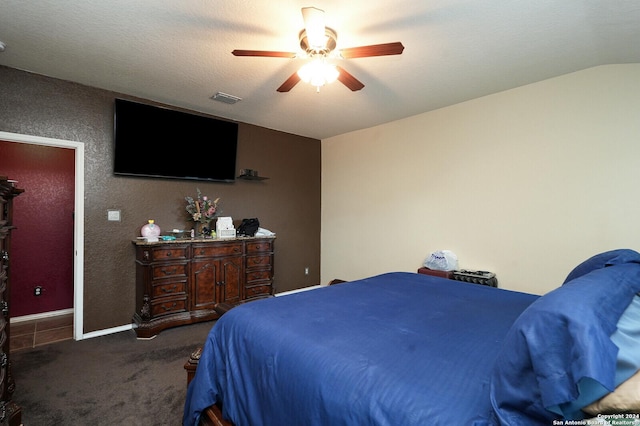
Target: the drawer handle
pixel 202 252
pixel 258 261
pixel 169 272
pixel 170 290
pixel 169 254
pixel 236 249
pixel 170 307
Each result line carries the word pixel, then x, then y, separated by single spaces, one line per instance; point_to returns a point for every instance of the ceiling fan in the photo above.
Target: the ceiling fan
pixel 319 43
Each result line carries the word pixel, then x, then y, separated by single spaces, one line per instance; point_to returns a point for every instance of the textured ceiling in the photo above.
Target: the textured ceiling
pixel 179 52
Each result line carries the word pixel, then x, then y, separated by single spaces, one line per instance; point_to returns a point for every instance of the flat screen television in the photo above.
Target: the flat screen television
pixel 160 142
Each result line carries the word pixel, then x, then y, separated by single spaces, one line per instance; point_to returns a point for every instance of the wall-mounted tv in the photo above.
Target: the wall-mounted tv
pixel 160 142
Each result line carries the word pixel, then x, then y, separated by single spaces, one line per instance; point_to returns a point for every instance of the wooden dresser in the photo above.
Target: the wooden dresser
pixel 10 413
pixel 180 282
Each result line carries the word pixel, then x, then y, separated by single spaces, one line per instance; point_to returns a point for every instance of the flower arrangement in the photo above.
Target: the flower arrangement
pixel 202 209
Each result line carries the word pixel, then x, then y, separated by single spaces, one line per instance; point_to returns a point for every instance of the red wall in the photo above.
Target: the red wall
pixel 42 244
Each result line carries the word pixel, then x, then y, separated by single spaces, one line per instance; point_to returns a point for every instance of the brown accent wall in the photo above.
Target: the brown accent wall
pixel 288 203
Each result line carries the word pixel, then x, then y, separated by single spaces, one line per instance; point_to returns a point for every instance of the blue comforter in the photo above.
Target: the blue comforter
pixel 410 349
pixel 396 349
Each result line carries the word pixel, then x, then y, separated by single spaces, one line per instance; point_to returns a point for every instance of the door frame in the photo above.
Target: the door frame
pixel 78 223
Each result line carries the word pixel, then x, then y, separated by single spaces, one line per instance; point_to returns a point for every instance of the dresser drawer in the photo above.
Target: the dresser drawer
pixel 261 262
pixel 259 246
pixel 257 290
pixel 254 276
pixel 206 250
pixel 169 270
pixel 168 289
pixel 171 306
pixel 168 253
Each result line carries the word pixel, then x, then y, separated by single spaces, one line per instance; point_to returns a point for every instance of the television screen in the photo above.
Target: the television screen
pixel 160 142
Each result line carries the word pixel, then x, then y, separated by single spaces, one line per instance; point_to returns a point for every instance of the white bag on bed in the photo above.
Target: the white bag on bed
pixel 442 260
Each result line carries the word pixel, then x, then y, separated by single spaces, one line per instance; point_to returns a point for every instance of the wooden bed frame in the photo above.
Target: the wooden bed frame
pixel 212 416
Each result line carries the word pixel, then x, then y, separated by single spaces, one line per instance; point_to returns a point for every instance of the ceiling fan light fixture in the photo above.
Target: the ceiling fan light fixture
pixel 318 42
pixel 318 73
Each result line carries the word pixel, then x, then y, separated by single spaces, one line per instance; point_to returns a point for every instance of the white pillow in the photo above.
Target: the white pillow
pixel 625 399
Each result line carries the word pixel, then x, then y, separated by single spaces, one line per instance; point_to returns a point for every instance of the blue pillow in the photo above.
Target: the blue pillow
pixel 602 260
pixel 561 344
pixel 627 339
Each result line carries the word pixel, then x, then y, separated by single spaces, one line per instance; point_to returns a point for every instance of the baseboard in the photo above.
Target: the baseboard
pixel 40 316
pixel 284 293
pixel 70 311
pixel 106 331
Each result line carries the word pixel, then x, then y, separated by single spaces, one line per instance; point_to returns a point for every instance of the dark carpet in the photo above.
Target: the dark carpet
pixel 108 380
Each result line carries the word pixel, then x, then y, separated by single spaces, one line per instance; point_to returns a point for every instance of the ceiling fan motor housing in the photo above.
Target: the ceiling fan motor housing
pixel 332 38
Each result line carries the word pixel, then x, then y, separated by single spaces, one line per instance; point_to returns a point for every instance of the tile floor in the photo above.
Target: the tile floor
pixel 29 334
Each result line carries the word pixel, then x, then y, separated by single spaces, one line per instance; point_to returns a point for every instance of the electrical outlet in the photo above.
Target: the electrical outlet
pixel 37 291
pixel 306 270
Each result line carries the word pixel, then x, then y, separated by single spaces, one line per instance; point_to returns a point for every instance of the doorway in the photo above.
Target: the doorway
pixel 78 219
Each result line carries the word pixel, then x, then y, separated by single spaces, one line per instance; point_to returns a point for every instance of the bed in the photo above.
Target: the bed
pixel 411 349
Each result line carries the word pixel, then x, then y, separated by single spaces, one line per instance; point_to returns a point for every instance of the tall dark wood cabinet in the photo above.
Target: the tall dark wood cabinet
pixel 10 412
pixel 180 282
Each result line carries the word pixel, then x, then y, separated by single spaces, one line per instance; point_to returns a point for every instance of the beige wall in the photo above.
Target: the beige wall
pixel 526 183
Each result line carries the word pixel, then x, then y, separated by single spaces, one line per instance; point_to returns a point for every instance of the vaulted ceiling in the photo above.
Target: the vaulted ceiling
pixel 179 52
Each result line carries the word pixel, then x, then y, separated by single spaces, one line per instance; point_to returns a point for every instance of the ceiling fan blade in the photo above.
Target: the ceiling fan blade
pixel 348 80
pixel 267 53
pixel 314 26
pixel 395 48
pixel 289 83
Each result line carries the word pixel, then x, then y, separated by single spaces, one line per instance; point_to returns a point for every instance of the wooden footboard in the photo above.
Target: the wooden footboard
pixel 192 364
pixel 212 416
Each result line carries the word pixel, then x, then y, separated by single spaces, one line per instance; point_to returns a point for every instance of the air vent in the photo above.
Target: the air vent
pixel 226 98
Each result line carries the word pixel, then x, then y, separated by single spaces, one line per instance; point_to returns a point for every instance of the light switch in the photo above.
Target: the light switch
pixel 113 215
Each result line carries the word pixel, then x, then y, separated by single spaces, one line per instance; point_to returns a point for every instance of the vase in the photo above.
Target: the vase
pixel 150 230
pixel 204 229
